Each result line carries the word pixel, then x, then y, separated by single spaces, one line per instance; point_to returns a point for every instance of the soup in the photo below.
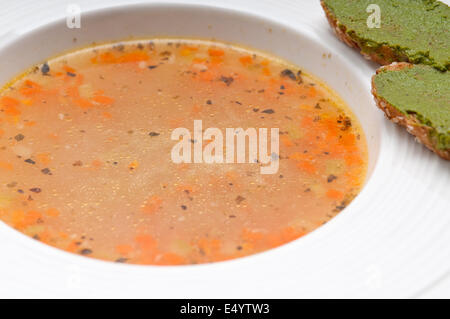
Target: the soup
pixel 86 145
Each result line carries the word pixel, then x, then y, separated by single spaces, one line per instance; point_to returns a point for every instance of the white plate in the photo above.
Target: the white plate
pixel 392 241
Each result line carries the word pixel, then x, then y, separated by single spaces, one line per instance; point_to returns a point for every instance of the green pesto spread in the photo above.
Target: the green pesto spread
pixel 423 91
pixel 417 29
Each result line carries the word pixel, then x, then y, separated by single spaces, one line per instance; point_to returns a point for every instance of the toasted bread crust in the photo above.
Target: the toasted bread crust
pixel 384 55
pixel 410 122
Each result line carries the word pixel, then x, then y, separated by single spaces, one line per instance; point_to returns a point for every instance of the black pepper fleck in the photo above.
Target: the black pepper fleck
pixel 11 185
pixel 227 80
pixel 331 178
pixel 46 171
pixel 239 199
pixel 45 69
pixel 19 137
pixel 78 163
pixel 289 74
pixel 86 251
pixel 121 260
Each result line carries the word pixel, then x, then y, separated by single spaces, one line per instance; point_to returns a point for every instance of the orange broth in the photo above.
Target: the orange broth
pixel 85 144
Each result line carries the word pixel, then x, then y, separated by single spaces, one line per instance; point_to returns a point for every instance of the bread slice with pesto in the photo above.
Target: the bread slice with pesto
pixel 416 97
pixel 415 31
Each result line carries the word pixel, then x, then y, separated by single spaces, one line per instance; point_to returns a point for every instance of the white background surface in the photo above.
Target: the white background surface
pixel 406 250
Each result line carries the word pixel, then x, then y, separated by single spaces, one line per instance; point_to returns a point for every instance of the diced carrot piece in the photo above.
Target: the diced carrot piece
pixel 196 109
pixel 97 164
pixel 331 127
pixel 43 158
pixel 354 178
pixel 124 250
pixel 83 103
pixel 335 194
pixel 171 259
pixel 306 121
pixel 198 60
pixel 27 102
pixel 215 60
pixel 44 237
pixel 312 92
pixel 72 91
pixel 30 88
pixel 353 159
pixel 133 165
pixel 297 156
pixel 72 247
pixel 246 60
pixel 63 235
pixel 307 167
pixel 17 217
pixel 152 205
pixel 306 107
pixel 52 212
pixel 79 79
pixel 284 236
pixel 9 101
pixel 10 105
pixel 191 48
pixel 185 52
pixel 266 71
pixel 107 115
pixel 6 166
pixel 206 76
pixel 32 84
pixel 348 140
pixel 286 141
pixel 209 247
pixel 53 136
pixel 12 111
pixel 215 52
pixel 146 242
pixel 30 123
pixel 176 122
pixel 274 240
pixel 104 100
pixel 251 236
pixel 290 233
pixel 107 57
pixel 133 57
pixel 32 217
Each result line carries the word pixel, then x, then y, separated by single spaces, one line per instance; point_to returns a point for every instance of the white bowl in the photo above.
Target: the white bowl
pixel 362 252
